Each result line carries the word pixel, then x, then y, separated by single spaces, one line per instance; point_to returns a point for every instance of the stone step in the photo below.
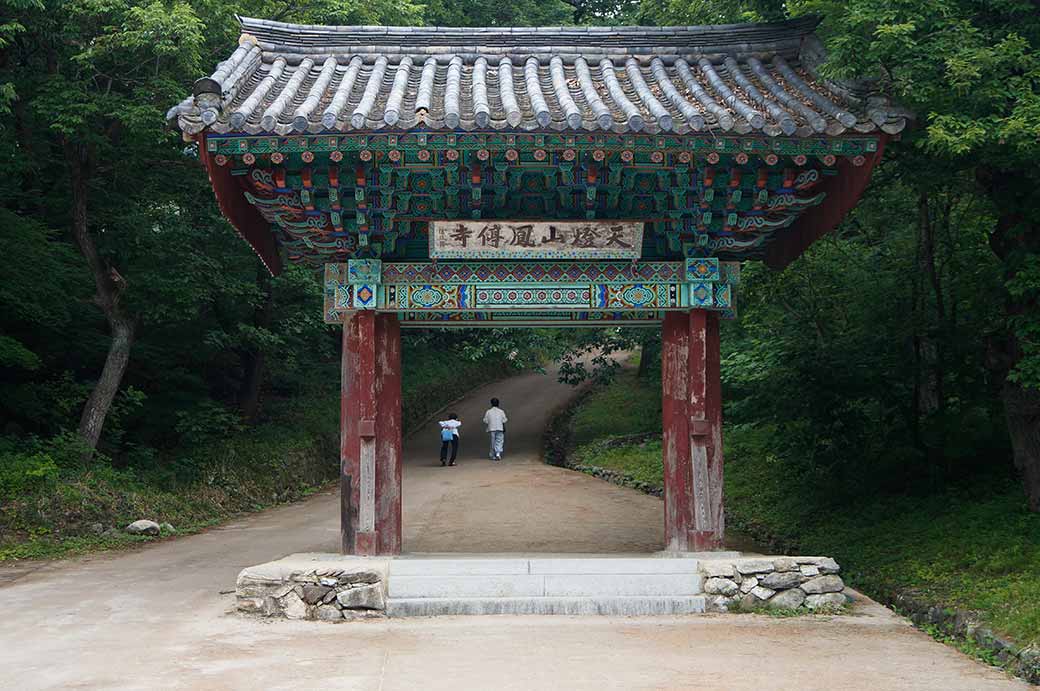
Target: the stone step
pixel 616 605
pixel 484 566
pixel 544 585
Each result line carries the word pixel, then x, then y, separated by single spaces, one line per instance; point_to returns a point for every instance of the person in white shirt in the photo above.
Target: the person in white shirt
pixel 495 419
pixel 450 437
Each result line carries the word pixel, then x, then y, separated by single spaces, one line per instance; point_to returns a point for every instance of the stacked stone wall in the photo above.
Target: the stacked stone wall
pixel 787 583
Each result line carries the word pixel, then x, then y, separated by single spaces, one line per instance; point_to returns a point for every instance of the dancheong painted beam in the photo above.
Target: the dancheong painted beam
pixel 520 293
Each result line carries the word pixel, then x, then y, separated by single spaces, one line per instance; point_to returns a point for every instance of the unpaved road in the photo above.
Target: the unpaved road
pixel 159 617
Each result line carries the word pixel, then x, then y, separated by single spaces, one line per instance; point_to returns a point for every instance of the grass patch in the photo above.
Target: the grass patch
pixel 974 546
pixel 621 409
pixel 630 459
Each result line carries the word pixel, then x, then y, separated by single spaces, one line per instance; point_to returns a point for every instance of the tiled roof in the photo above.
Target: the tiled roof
pixel 741 78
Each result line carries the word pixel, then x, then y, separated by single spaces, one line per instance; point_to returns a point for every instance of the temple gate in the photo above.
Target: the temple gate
pixel 563 177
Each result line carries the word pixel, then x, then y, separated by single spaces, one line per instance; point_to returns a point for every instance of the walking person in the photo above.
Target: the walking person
pixel 495 419
pixel 450 438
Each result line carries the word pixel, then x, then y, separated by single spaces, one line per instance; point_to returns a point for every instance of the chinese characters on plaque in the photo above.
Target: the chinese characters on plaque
pixel 535 240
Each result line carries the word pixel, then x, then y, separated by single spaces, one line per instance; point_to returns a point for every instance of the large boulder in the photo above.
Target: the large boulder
pixel 143 527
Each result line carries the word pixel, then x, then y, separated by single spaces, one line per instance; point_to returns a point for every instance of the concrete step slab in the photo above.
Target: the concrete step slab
pixel 613 606
pixel 455 586
pixel 458 567
pixel 549 585
pixel 615 566
pixel 600 584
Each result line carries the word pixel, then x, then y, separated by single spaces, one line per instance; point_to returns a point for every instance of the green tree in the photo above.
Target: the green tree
pixel 971 71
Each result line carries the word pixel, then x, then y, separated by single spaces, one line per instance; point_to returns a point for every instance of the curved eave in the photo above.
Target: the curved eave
pixel 844 191
pixel 243 216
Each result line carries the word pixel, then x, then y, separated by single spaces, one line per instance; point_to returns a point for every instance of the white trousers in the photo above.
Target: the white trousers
pixel 498 443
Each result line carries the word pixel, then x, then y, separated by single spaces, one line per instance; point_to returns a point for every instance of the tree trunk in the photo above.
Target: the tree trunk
pixel 1022 409
pixel 110 286
pixel 651 353
pixel 1015 237
pixel 254 361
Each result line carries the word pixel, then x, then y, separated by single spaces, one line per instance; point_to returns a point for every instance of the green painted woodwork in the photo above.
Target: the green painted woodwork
pixel 336 197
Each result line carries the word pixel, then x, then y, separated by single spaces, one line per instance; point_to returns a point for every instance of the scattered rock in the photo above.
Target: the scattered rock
pixel 785 564
pixel 750 566
pixel 762 593
pixel 97 528
pixel 781 580
pixel 329 613
pixel 823 584
pixel 330 582
pixel 313 594
pixel 720 586
pixel 143 527
pixel 788 599
pixel 825 600
pixel 167 528
pixel 717 569
pixel 748 584
pixel 329 597
pixel 293 606
pixel 809 570
pixel 362 597
pixel 112 532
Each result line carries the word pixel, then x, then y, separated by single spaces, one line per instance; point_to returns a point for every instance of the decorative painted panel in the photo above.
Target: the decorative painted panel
pixel 485 294
pixel 524 273
pixel 533 297
pixel 499 319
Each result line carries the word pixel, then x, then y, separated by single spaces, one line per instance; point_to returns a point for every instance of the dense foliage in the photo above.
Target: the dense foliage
pixel 133 320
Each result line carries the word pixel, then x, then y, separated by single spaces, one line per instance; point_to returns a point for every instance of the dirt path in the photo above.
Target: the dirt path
pixel 159 617
pixel 519 504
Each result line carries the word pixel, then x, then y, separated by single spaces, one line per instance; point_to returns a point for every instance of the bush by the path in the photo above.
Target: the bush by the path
pixel 972 546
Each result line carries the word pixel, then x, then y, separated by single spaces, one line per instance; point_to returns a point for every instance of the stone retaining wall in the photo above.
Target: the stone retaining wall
pixel 326 587
pixel 785 583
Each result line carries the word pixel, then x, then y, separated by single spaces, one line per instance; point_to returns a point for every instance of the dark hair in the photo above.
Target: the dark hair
pixel 453 416
pixel 494 402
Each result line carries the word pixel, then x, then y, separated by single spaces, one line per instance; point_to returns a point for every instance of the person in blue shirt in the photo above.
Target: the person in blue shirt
pixel 450 437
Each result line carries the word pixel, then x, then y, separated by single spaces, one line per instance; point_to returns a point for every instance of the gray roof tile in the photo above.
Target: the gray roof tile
pixel 286 78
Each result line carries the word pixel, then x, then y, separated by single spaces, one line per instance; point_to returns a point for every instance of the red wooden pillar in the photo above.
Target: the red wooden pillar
pixel 370 435
pixel 692 412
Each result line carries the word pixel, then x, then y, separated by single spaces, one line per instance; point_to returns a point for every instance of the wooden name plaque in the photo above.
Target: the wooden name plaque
pixel 536 240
